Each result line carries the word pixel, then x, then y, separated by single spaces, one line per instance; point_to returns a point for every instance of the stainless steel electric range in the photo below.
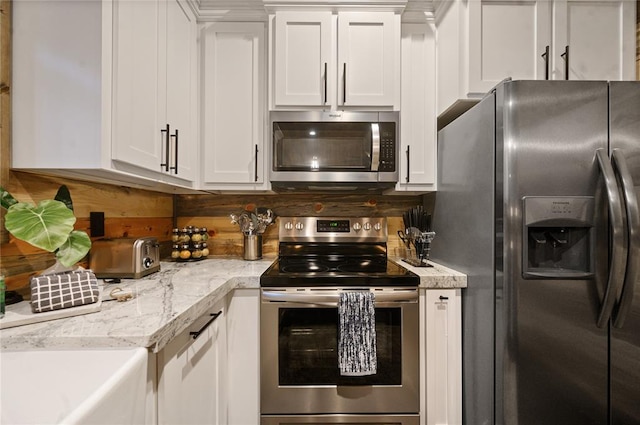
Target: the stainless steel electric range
pixel 300 379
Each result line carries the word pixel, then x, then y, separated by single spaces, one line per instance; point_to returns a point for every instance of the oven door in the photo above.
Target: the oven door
pixel 299 361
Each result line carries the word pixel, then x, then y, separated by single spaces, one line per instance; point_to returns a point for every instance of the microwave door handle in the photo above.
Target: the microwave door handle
pixel 375 146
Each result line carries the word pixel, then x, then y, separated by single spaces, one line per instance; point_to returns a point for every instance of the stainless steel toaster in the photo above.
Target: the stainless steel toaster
pixel 124 257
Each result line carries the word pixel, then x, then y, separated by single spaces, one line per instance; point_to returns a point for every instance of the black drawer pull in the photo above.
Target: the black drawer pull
pixel 196 334
pixel 443 298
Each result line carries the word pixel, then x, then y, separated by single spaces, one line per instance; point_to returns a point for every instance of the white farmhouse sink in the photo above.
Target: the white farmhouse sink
pixel 83 386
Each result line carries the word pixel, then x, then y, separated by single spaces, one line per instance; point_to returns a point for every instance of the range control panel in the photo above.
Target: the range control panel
pixel 334 229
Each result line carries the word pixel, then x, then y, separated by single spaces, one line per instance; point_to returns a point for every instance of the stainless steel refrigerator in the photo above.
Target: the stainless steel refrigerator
pixel 537 203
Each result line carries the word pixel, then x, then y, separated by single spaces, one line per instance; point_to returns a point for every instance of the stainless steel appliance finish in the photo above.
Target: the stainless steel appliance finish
pixel 536 203
pixel 300 380
pixel 333 394
pixel 334 151
pixel 124 257
pixel 342 419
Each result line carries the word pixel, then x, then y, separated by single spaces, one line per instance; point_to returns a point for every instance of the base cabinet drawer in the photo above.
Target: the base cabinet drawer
pixel 192 372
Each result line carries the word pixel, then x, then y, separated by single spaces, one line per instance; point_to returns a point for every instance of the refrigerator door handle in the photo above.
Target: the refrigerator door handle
pixel 633 234
pixel 618 246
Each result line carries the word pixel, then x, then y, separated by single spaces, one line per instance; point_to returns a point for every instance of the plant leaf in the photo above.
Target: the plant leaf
pixel 6 199
pixel 64 196
pixel 46 226
pixel 74 248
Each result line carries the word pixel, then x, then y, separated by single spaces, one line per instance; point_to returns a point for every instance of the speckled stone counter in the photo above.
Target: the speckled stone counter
pixel 436 277
pixel 165 303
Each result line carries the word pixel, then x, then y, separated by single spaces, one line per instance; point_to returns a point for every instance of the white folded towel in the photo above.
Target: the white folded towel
pixel 357 337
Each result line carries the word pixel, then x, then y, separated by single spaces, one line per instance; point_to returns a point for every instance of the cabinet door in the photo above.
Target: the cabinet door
pixel 444 356
pixel 136 136
pixel 417 157
pixel 507 39
pixel 368 58
pixel 180 106
pixel 234 104
pixel 243 381
pixel 304 64
pixel 599 37
pixel 191 373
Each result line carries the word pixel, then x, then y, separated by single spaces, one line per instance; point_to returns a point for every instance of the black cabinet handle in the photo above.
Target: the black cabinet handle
pixel 196 334
pixel 325 83
pixel 545 55
pixel 565 56
pixel 443 298
pixel 256 165
pixel 344 84
pixel 166 146
pixel 407 178
pixel 175 156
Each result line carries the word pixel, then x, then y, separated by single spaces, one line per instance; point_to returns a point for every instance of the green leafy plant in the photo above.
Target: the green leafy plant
pixel 48 225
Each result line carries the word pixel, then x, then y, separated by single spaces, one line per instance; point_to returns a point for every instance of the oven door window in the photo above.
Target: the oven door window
pixel 322 146
pixel 308 348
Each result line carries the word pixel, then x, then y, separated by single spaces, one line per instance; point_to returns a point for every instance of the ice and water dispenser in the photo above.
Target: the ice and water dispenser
pixel 558 237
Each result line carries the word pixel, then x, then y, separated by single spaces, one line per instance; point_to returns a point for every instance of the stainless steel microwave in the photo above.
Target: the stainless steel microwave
pixel 334 151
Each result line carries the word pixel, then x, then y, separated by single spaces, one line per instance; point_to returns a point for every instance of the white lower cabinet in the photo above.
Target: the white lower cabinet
pixel 443 359
pixel 191 373
pixel 243 349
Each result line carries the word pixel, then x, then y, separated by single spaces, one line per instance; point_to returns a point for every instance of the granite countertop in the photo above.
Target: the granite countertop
pixel 165 303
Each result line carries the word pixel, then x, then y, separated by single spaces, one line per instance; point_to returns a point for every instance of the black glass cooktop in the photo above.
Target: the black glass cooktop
pixel 338 270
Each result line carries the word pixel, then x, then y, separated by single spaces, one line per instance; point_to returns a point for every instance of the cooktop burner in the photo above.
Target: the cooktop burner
pixel 388 273
pixel 339 251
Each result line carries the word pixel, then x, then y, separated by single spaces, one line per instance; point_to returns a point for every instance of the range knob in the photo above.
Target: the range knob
pixel 288 225
pixel 299 226
pixel 377 227
pixel 357 226
pixel 366 226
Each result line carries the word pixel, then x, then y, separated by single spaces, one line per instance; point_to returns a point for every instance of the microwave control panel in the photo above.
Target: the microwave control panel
pixel 387 147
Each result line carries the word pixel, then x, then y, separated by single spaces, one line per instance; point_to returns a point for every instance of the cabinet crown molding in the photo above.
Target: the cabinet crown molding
pixel 257 10
pixel 396 6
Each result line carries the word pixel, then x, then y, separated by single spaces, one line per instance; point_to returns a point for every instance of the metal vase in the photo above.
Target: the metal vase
pixel 252 247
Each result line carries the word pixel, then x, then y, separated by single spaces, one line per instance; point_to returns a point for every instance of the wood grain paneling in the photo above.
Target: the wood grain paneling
pixel 212 212
pixel 128 213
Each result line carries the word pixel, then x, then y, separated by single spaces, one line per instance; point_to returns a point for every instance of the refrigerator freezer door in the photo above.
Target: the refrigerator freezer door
pixel 625 341
pixel 464 221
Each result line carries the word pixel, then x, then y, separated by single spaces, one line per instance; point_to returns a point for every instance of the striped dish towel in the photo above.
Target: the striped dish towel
pixel 357 338
pixel 63 290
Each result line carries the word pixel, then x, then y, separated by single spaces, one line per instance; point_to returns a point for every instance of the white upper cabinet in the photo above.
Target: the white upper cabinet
pixel 506 39
pixel 94 85
pixel 368 59
pixel 594 40
pixel 326 60
pixel 417 114
pixel 304 59
pixel 154 87
pixel 482 42
pixel 234 106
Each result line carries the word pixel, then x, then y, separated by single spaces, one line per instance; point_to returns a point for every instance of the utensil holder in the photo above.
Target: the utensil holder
pixel 252 247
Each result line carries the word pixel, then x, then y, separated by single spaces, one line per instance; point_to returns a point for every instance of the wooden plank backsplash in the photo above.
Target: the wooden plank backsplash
pixel 128 213
pixel 212 212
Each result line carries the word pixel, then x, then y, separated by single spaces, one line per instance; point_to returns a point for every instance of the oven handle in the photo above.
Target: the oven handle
pixel 331 298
